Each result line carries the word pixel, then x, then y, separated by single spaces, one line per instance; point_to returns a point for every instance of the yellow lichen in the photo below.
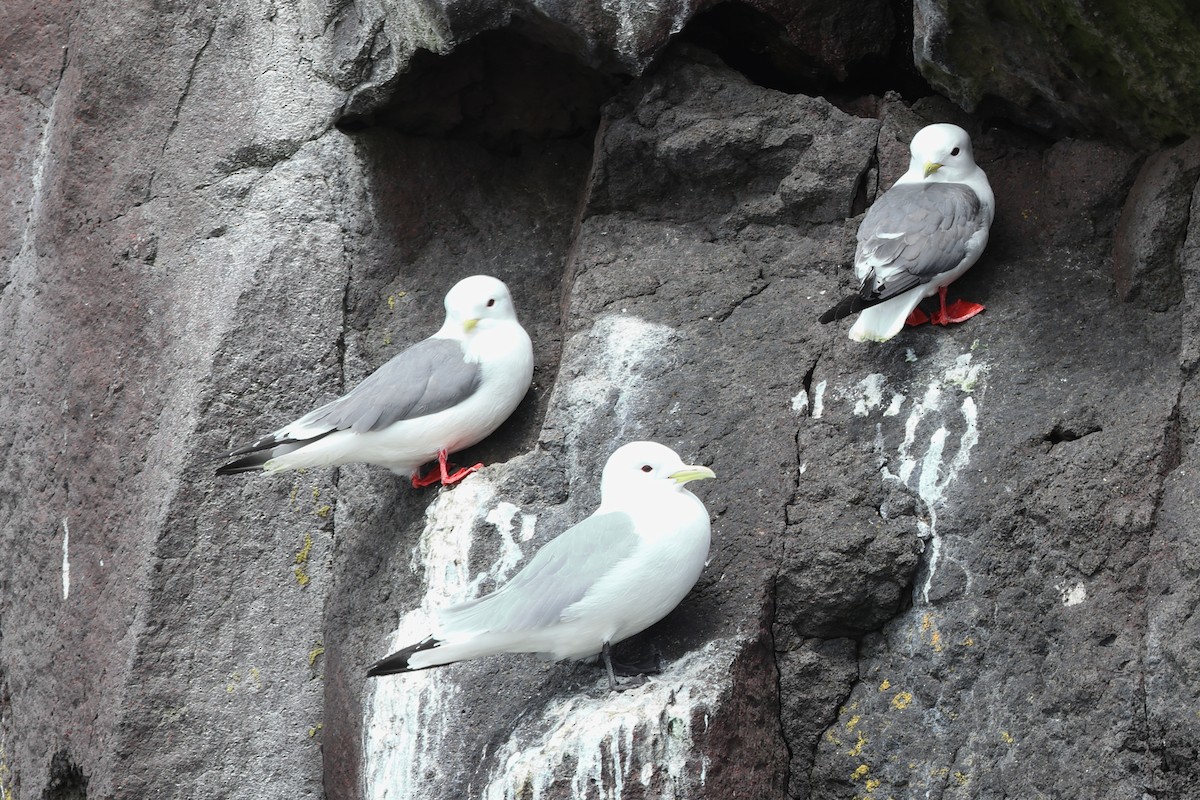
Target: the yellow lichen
pixel 901 700
pixel 860 773
pixel 323 511
pixel 6 792
pixel 853 721
pixel 316 493
pixel 873 784
pixel 314 729
pixel 968 642
pixel 302 577
pixel 961 779
pixel 1006 737
pixel 302 556
pixel 856 751
pixel 315 653
pixel 928 629
pixel 883 687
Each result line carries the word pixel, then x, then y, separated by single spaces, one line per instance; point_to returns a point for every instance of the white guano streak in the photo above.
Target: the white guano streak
pixel 935 475
pixel 602 746
pixel 616 353
pixel 66 565
pixel 406 719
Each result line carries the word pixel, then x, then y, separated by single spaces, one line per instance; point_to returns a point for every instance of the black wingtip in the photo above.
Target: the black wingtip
pixel 250 463
pixel 398 662
pixel 849 305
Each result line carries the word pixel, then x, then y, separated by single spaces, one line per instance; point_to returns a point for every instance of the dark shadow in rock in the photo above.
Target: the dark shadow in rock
pixel 845 51
pixel 501 89
pixel 67 781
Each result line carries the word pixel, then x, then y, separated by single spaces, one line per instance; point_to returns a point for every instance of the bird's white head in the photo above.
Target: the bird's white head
pixel 475 303
pixel 640 467
pixel 941 152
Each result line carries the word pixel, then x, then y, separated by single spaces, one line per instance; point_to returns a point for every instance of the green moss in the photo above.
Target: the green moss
pixel 1106 62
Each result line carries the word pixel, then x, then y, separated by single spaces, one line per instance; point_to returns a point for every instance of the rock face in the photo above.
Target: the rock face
pixel 963 563
pixel 1107 69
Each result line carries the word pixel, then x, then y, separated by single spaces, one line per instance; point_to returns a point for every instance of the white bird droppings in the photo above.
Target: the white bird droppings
pixel 405 719
pixel 800 402
pixel 66 561
pixel 1072 594
pixel 818 403
pixel 928 466
pixel 869 394
pixel 602 746
pixel 619 353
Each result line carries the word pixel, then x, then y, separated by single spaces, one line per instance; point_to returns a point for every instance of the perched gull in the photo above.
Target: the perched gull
pixel 437 397
pixel 919 236
pixel 614 574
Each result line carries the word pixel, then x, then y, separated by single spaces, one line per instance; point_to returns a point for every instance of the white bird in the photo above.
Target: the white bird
pixel 920 236
pixel 612 575
pixel 438 396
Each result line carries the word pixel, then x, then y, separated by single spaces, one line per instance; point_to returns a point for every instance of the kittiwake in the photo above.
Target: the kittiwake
pixel 610 576
pixel 919 236
pixel 440 395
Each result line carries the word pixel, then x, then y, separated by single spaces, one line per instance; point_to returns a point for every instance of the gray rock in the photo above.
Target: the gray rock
pixel 1108 70
pixel 958 564
pixel 1149 238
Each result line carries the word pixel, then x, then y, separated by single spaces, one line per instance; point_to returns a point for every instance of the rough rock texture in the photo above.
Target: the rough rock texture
pixel 963 563
pixel 1109 68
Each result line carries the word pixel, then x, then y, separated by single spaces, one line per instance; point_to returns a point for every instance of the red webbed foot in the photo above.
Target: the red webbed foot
pixel 441 473
pixel 916 317
pixel 455 477
pixel 958 311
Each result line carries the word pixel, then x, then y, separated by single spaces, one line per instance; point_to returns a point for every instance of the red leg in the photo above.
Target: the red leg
pixel 958 311
pixel 462 472
pixel 441 473
pixel 434 475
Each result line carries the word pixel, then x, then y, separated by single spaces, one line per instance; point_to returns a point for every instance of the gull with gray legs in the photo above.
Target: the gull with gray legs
pixel 612 575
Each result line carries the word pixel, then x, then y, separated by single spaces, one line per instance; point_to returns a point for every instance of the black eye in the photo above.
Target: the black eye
pixel 647 468
pixel 954 152
pixel 492 302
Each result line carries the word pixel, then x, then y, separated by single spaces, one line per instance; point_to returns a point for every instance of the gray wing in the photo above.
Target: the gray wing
pixel 558 576
pixel 428 377
pixel 913 233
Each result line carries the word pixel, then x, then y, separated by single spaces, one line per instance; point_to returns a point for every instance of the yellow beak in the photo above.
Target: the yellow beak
pixel 931 168
pixel 691 473
pixel 469 325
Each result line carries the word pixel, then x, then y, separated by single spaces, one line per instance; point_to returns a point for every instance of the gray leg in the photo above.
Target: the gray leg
pixel 606 654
